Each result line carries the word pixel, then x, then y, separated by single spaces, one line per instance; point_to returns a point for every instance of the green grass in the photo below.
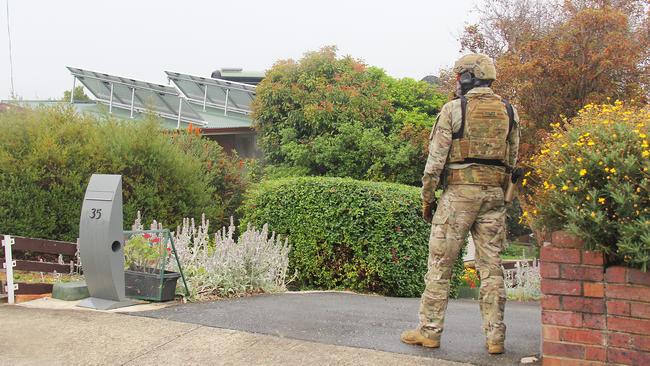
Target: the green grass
pixel 519 251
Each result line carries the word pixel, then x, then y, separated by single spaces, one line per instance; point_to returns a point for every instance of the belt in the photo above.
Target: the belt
pixel 478 175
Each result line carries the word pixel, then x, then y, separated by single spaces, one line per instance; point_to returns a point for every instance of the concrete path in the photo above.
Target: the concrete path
pixel 36 336
pixel 369 322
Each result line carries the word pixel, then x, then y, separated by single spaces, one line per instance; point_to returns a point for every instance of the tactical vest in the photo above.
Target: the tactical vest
pixel 486 122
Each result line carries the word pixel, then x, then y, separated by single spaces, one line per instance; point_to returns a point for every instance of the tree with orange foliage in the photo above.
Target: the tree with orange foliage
pixel 552 59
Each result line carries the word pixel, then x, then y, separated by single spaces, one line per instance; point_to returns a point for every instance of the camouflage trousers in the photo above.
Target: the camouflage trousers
pixel 461 209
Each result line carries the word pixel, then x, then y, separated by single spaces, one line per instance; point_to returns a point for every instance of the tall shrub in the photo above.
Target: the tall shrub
pixel 592 178
pixel 336 116
pixel 344 233
pixel 48 155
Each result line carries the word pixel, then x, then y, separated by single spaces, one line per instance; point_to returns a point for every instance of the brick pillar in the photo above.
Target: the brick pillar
pixel 592 315
pixel 628 316
pixel 573 305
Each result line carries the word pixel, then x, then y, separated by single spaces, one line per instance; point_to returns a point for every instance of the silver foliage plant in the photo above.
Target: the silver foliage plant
pixel 523 282
pixel 229 266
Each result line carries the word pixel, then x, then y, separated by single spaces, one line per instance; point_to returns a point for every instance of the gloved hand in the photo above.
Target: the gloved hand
pixel 427 210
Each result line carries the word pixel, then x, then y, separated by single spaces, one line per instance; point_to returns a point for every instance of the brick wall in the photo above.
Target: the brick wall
pixel 592 315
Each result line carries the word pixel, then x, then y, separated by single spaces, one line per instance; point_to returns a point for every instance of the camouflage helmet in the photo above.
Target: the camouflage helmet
pixel 478 64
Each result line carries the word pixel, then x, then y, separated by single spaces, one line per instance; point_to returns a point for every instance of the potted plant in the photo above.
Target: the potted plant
pixel 146 256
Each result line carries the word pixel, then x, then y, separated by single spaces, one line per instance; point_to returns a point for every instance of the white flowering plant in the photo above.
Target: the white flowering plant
pixel 231 265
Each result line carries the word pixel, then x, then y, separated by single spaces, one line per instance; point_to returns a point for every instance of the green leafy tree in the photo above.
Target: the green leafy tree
pixel 79 95
pixel 335 116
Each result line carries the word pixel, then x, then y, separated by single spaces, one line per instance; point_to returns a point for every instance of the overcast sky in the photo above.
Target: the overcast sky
pixel 142 38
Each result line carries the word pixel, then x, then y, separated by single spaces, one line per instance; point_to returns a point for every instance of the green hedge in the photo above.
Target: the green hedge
pixel 358 235
pixel 48 155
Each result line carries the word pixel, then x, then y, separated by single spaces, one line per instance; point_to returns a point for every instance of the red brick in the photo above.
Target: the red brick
pixel 621 340
pixel 593 258
pixel 560 255
pixel 562 239
pixel 564 350
pixel 627 292
pixel 550 302
pixel 641 342
pixel 563 318
pixel 616 274
pixel 596 354
pixel 552 361
pixel 628 357
pixel 593 289
pixel 639 277
pixel 629 325
pixel 549 270
pixel 588 336
pixel 583 304
pixel 570 272
pixel 640 310
pixel 593 321
pixel 617 307
pixel 631 341
pixel 550 333
pixel 561 287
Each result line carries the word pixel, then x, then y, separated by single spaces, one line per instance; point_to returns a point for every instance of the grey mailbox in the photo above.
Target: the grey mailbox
pixel 101 243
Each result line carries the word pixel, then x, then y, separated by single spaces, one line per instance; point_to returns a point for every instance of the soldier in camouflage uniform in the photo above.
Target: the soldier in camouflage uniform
pixel 473 147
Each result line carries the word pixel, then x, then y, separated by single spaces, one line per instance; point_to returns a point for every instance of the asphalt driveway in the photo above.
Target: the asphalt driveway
pixel 363 321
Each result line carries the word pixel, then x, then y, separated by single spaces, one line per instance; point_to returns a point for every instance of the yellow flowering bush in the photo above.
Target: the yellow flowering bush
pixel 591 178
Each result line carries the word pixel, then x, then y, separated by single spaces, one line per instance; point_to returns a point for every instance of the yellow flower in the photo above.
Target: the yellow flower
pixel 593 214
pixel 583 172
pixel 590 143
pixel 524 182
pixel 607 169
pixel 612 170
pixel 643 135
pixel 645 153
pixel 565 187
pixel 601 200
pixel 579 160
pixel 560 170
pixel 588 198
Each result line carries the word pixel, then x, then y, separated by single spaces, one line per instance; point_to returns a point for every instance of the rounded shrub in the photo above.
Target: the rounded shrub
pixel 48 155
pixel 344 233
pixel 591 178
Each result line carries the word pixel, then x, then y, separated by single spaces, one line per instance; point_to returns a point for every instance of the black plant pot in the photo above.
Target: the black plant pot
pixel 147 284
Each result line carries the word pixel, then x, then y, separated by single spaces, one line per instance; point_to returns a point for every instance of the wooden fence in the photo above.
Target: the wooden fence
pixel 33 248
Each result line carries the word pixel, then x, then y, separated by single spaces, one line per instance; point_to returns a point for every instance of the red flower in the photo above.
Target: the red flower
pixel 146 236
pixel 155 240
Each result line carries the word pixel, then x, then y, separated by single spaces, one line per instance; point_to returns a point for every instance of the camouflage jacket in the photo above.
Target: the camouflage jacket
pixel 449 121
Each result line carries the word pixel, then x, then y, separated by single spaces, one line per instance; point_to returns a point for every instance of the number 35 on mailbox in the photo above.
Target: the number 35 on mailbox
pixel 101 242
